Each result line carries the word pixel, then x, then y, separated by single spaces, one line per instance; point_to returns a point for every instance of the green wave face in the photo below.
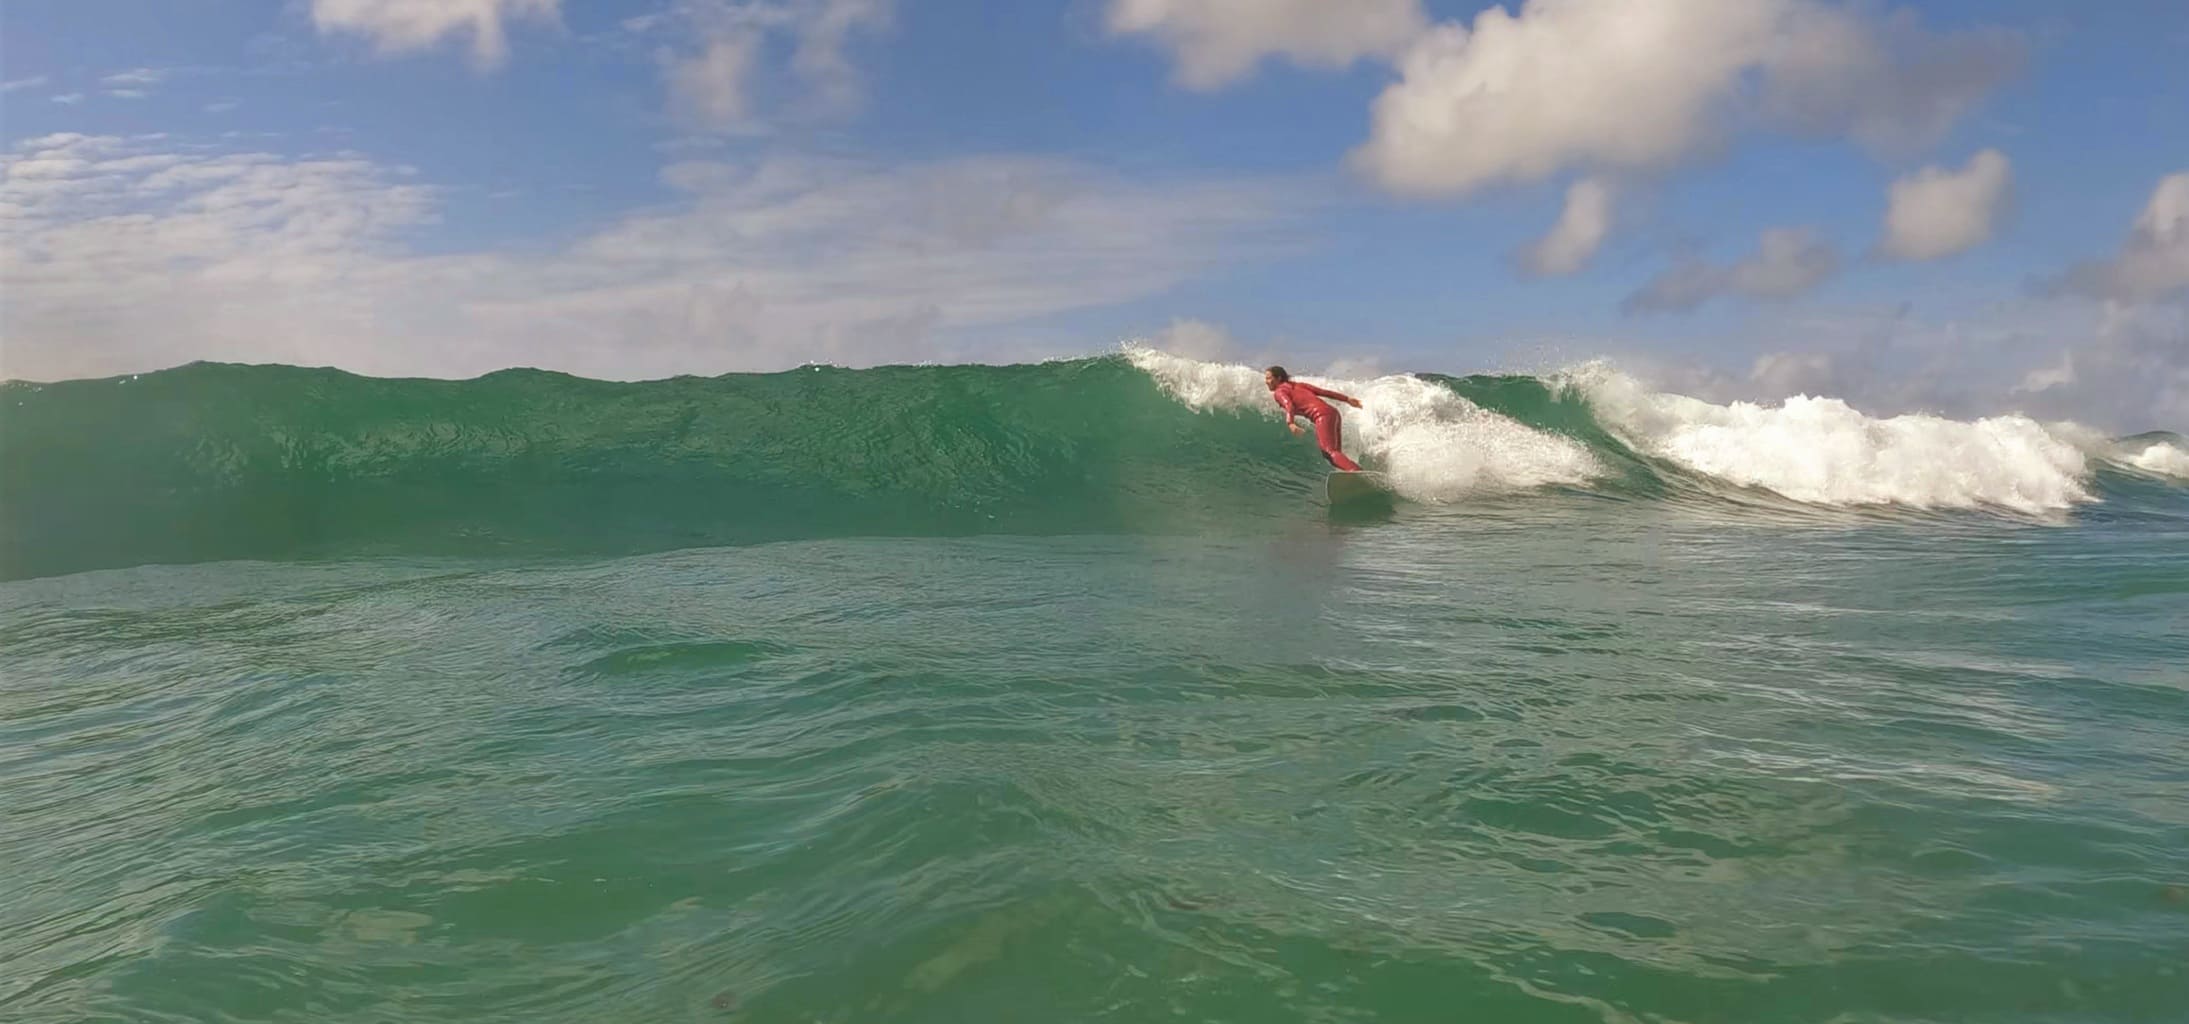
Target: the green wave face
pixel 213 462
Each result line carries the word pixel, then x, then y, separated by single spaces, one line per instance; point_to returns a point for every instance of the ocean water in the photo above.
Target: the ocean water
pixel 1053 693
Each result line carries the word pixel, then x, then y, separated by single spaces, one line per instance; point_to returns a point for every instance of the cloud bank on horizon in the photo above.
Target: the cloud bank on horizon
pixel 1697 185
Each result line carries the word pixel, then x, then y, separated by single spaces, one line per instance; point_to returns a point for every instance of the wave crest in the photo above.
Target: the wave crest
pixel 1433 443
pixel 1823 451
pixel 210 461
pixel 2161 458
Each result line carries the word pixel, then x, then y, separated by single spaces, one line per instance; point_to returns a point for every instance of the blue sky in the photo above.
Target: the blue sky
pixel 1960 205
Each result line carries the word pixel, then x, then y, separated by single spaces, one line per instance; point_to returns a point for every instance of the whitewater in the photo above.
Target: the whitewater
pixel 1438 445
pixel 1055 692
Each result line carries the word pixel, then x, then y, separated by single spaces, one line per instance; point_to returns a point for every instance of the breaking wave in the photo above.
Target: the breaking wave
pixel 215 461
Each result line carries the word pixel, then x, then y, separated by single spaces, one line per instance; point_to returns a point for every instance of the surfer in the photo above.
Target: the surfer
pixel 1299 398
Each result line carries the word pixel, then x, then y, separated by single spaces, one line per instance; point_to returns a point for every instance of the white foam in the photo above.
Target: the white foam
pixel 2162 459
pixel 1823 451
pixel 1433 444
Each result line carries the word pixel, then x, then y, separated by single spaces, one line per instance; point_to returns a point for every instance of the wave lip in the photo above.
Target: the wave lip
pixel 1433 443
pixel 2160 458
pixel 1823 451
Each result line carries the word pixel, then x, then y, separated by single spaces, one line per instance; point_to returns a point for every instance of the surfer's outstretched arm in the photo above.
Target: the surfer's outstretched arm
pixel 1327 393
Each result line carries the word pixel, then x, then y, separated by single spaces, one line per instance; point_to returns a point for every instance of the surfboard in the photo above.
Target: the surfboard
pixel 1357 488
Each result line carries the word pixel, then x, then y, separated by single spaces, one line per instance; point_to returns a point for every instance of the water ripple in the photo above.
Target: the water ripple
pixel 1616 773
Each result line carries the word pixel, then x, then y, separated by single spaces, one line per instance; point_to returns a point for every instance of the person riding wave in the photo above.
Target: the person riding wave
pixel 1299 398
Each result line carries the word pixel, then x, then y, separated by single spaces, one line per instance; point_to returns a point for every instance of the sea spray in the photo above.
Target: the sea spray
pixel 1433 443
pixel 1824 451
pixel 2161 459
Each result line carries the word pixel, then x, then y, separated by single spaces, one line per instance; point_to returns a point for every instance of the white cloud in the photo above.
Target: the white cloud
pixel 718 61
pixel 1787 262
pixel 710 87
pixel 32 82
pixel 1680 287
pixel 117 256
pixel 103 238
pixel 1217 42
pixel 2132 373
pixel 137 78
pixel 407 26
pixel 2045 378
pixel 127 94
pixel 820 58
pixel 2154 263
pixel 1886 83
pixel 2122 369
pixel 1580 230
pixel 1565 82
pixel 1935 212
pixel 68 98
pixel 1613 85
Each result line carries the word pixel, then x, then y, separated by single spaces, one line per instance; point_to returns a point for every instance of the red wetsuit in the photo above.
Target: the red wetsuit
pixel 1299 398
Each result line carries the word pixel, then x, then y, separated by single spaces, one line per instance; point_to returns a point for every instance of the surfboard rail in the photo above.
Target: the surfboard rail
pixel 1365 486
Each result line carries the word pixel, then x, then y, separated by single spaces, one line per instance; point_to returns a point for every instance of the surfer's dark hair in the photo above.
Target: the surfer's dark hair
pixel 1279 373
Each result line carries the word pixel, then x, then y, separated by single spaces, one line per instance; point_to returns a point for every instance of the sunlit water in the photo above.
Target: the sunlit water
pixel 1577 760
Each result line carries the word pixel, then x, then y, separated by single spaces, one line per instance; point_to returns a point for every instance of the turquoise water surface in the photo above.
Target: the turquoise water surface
pixel 495 731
